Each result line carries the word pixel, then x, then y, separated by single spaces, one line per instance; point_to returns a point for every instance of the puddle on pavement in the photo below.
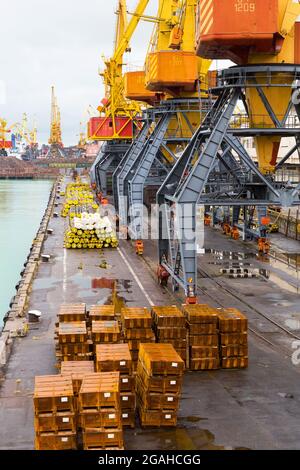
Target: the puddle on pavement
pixel 45 283
pixel 293 323
pixel 180 438
pixel 116 286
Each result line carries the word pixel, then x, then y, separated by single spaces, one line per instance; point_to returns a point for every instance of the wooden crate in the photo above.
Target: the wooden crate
pixel 53 393
pixel 74 357
pixel 232 320
pixel 203 329
pixel 202 352
pixel 113 357
pixel 128 418
pixel 210 363
pixel 200 313
pixel 234 362
pixel 75 348
pixel 168 316
pixel 158 418
pixel 234 350
pixel 100 390
pixel 55 422
pixel 107 331
pixel 171 333
pixel 72 313
pixel 74 332
pixel 77 370
pixel 101 438
pixel 127 400
pixel 160 359
pixel 65 440
pixel 157 401
pixel 176 343
pixel 141 334
pixel 101 313
pixel 227 339
pixel 127 383
pixel 103 418
pixel 135 317
pixel 204 340
pixel 159 384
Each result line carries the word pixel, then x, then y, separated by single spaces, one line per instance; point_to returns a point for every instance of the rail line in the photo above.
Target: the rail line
pixel 288 333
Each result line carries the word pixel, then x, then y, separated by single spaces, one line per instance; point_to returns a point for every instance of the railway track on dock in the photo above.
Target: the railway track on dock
pixel 255 314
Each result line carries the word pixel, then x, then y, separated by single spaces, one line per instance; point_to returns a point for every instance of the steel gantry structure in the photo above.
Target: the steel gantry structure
pixel 215 169
pixel 174 73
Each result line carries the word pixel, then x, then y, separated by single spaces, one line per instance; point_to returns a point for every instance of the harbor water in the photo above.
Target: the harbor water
pixel 22 204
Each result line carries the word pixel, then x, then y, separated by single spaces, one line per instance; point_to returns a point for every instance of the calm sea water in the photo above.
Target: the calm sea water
pixel 22 204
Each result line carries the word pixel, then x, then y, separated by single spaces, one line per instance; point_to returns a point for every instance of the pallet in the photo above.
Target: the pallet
pixel 159 384
pixel 53 393
pixel 55 422
pixel 102 438
pixel 234 362
pixel 203 329
pixel 100 390
pixel 232 320
pixel 127 383
pixel 200 313
pixel 75 348
pixel 201 352
pixel 100 418
pixel 56 441
pixel 135 317
pixel 208 363
pixel 165 333
pixel 157 418
pixel 74 332
pixel 141 334
pixel 72 313
pixel 234 350
pixel 128 418
pixel 228 339
pixel 161 359
pixel 168 316
pixel 113 357
pixel 101 313
pixel 204 340
pixel 127 400
pixel 157 401
pixel 106 331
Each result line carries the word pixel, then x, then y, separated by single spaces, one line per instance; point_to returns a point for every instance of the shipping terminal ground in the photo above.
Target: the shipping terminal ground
pixel 255 408
pixel 127 342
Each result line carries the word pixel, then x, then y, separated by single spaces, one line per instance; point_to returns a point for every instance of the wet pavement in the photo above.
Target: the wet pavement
pixel 257 408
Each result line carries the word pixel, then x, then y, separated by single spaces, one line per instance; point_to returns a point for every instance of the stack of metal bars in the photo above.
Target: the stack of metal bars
pixel 100 412
pixel 159 380
pixel 54 413
pixel 203 336
pixel 117 358
pixel 170 327
pixel 137 329
pixel 233 326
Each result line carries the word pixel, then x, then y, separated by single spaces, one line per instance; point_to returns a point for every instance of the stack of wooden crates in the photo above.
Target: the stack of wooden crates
pixel 99 412
pixel 170 327
pixel 117 358
pixel 233 326
pixel 54 413
pixel 159 380
pixel 203 337
pixel 137 329
pixel 72 339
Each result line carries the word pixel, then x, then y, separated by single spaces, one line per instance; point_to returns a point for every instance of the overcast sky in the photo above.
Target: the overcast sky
pixel 59 42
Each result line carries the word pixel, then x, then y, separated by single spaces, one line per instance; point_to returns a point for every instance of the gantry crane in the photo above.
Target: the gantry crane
pixel 55 140
pixel 118 122
pixel 262 37
pixel 173 71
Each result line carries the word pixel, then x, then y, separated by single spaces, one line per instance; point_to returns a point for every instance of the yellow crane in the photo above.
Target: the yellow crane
pixel 117 120
pixel 55 126
pixel 4 143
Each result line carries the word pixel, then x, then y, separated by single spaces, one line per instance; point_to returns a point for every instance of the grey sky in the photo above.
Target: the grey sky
pixel 47 42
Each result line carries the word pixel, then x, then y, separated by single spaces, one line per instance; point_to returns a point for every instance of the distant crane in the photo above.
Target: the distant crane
pixel 55 140
pixel 4 143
